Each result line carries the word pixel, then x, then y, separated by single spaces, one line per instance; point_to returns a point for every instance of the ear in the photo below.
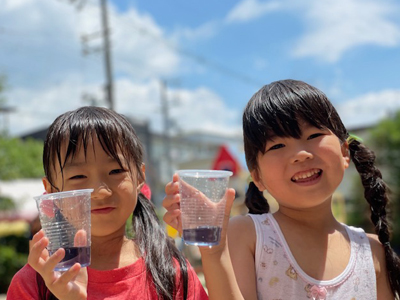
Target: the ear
pixel 47 186
pixel 141 179
pixel 346 154
pixel 257 180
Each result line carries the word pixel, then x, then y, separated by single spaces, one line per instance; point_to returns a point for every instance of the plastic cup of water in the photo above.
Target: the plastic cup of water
pixel 65 220
pixel 202 205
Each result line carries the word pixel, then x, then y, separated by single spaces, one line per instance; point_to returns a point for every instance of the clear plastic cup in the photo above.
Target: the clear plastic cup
pixel 203 204
pixel 65 219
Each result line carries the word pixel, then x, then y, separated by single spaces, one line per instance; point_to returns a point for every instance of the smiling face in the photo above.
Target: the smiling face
pixel 115 187
pixel 302 172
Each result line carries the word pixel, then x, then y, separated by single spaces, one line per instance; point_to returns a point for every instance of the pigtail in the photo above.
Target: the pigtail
pixel 159 251
pixel 376 193
pixel 255 201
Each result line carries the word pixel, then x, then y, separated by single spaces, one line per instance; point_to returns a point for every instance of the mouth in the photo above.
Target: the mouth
pixel 103 210
pixel 306 176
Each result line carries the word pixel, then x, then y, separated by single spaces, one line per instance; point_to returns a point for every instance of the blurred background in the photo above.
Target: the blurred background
pixel 182 72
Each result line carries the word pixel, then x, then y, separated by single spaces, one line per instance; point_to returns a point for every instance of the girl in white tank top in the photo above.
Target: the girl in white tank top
pixel 297 149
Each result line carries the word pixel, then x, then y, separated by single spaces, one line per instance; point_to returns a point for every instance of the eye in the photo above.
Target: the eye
pixel 117 171
pixel 277 146
pixel 77 177
pixel 315 135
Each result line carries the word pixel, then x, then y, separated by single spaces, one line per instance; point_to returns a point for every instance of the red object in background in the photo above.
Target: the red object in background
pixel 146 191
pixel 225 161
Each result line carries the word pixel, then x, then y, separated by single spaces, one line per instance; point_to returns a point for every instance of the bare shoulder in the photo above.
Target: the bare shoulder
pixel 378 253
pixel 382 280
pixel 242 228
pixel 244 224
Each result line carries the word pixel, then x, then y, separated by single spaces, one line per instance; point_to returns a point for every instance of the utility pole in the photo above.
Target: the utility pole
pixel 106 49
pixel 166 121
pixel 107 54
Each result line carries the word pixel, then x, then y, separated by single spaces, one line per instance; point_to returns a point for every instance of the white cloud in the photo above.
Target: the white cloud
pixel 51 33
pixel 331 27
pixel 204 31
pixel 38 40
pixel 336 26
pixel 199 109
pixel 36 108
pixel 203 109
pixel 41 57
pixel 140 47
pixel 368 109
pixel 247 10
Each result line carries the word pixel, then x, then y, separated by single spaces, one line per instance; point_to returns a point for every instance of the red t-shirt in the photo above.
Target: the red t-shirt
pixel 119 284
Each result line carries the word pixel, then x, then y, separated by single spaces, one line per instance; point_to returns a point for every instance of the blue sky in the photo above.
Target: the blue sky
pixel 213 55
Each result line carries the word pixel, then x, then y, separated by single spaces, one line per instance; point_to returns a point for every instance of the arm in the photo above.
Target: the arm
pixel 242 243
pixel 382 282
pixel 217 267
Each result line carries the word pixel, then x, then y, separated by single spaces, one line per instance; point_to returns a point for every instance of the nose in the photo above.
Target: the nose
pixel 101 191
pixel 301 156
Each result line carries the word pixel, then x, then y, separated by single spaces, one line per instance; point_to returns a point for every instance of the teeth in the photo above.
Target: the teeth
pixel 305 175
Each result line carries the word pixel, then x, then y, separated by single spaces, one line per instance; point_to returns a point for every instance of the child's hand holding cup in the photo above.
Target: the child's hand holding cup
pixel 65 220
pixel 203 201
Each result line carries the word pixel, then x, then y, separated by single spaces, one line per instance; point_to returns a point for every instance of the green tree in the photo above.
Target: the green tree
pixel 20 159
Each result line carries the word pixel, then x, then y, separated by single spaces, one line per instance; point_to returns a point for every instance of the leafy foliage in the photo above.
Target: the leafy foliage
pixel 6 203
pixel 13 256
pixel 386 137
pixel 20 159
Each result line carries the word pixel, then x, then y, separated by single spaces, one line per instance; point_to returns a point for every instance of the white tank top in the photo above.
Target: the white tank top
pixel 279 277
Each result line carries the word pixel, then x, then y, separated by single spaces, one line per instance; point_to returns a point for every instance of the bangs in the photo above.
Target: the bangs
pixel 77 130
pixel 278 110
pixel 85 129
pixel 284 119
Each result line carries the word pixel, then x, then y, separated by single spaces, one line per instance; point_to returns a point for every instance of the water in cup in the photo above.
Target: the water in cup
pixel 202 205
pixel 202 236
pixel 65 219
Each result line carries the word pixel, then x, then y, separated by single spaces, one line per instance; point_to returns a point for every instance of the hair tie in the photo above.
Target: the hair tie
pixel 386 244
pixel 353 137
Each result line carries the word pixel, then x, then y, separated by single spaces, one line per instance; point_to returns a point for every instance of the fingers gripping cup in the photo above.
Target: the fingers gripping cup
pixel 203 204
pixel 65 219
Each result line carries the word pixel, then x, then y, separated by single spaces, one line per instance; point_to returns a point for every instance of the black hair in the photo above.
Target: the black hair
pixel 115 133
pixel 277 109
